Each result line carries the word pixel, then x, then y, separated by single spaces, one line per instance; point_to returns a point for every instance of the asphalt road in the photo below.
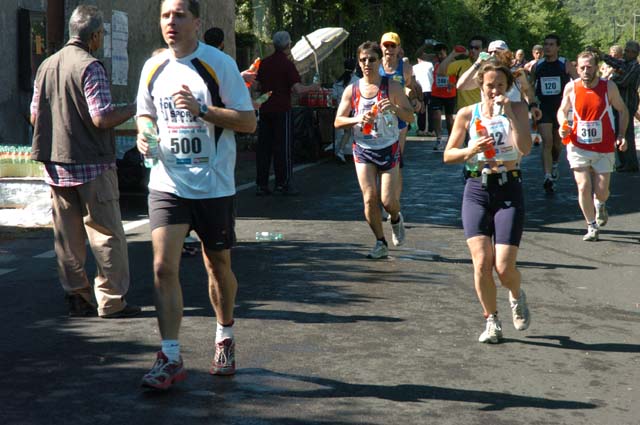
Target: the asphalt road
pixel 325 336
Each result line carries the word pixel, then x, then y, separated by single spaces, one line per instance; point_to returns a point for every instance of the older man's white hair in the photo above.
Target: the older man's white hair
pixel 84 21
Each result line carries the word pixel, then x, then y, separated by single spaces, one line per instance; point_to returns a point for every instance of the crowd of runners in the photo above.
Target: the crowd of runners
pixel 192 98
pixel 493 101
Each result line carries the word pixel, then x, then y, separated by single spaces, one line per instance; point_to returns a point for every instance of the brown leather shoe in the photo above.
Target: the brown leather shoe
pixel 79 307
pixel 128 311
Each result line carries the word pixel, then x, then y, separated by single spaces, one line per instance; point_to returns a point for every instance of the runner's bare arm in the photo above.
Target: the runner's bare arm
pixel 442 69
pixel 529 95
pixel 241 121
pixel 518 114
pixel 565 105
pixel 231 119
pixel 454 152
pixel 343 114
pixel 467 80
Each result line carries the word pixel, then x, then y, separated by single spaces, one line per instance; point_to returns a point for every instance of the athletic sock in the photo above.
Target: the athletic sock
pixel 383 240
pixel 224 331
pixel 171 349
pixel 593 224
pixel 547 176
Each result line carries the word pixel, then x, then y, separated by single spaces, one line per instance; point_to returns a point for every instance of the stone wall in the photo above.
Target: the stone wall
pixel 144 37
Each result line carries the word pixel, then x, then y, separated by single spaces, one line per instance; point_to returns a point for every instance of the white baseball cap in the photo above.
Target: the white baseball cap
pixel 497 45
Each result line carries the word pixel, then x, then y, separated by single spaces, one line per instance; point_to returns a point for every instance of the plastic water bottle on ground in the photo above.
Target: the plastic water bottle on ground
pixel 269 236
pixel 151 158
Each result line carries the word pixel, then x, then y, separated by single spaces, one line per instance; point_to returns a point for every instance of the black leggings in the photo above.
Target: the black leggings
pixel 496 211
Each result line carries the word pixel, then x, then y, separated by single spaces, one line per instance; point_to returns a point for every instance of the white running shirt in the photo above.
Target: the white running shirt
pixel 196 159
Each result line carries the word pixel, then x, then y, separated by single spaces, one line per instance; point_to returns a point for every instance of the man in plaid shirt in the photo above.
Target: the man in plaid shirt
pixel 73 120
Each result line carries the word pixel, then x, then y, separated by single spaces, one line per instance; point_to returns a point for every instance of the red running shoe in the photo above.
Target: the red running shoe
pixel 224 360
pixel 164 373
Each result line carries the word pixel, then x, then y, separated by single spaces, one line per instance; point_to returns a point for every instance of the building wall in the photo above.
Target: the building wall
pixel 144 37
pixel 14 103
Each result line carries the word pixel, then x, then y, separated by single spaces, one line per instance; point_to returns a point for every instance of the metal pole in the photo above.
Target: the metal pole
pixel 616 24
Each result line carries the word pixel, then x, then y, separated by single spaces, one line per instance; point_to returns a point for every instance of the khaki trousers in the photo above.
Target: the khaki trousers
pixel 92 211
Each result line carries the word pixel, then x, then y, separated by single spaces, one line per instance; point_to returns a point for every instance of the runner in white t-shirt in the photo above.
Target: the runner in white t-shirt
pixel 196 98
pixel 423 71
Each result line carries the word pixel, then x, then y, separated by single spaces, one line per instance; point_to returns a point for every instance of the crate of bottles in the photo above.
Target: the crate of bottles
pixel 321 98
pixel 15 161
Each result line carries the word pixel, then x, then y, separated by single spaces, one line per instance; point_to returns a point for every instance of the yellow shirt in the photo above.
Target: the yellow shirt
pixel 465 97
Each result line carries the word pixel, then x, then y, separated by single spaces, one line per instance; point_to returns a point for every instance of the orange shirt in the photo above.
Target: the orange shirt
pixel 443 86
pixel 593 127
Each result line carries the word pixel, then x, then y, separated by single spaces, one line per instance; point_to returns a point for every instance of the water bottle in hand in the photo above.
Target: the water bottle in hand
pixel 263 97
pixel 481 131
pixel 387 116
pixel 565 127
pixel 151 157
pixel 366 129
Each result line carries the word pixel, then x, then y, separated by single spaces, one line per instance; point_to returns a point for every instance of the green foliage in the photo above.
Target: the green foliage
pixel 521 23
pixel 605 22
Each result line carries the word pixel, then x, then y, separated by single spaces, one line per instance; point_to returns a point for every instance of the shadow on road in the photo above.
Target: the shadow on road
pixel 330 388
pixel 565 342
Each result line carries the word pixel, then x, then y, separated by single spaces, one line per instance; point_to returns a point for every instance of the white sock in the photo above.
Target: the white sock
pixel 597 203
pixel 223 332
pixel 547 176
pixel 171 349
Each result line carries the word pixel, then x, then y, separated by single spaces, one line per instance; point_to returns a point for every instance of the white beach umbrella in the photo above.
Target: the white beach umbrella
pixel 317 46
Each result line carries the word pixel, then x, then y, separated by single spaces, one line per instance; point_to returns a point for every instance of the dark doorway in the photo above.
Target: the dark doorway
pixel 55 26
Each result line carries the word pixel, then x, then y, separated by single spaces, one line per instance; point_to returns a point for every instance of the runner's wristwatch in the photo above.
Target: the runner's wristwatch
pixel 203 110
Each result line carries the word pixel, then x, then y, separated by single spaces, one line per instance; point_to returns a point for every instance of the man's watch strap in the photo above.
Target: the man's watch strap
pixel 203 110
